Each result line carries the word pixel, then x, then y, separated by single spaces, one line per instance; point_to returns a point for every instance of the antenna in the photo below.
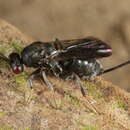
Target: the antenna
pixel 4 58
pixel 115 67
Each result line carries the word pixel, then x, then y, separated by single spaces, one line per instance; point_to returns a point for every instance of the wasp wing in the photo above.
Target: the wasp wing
pixel 85 48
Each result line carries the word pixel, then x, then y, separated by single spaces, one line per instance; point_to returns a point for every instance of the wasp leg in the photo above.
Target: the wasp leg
pixel 78 81
pixel 56 68
pixel 47 82
pixel 31 77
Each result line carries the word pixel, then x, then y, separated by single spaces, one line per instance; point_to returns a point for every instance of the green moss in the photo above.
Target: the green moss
pixel 121 103
pixel 13 46
pixel 18 47
pixel 6 127
pixel 2 113
pixel 21 79
pixel 3 47
pixel 74 100
pixel 93 91
pixel 4 64
pixel 27 129
pixel 89 127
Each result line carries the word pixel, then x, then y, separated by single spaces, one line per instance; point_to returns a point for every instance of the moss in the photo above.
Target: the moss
pixel 7 48
pixel 2 113
pixel 18 47
pixel 27 129
pixel 6 127
pixel 89 127
pixel 4 64
pixel 93 91
pixel 121 103
pixel 3 47
pixel 74 100
pixel 21 79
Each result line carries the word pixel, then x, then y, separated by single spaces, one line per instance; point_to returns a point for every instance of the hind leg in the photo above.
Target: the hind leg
pixel 31 77
pixel 79 83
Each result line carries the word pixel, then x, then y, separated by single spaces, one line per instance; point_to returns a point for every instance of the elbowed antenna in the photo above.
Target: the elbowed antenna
pixel 4 58
pixel 115 67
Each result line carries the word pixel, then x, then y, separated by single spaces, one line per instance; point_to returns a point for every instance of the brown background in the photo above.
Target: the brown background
pixel 49 19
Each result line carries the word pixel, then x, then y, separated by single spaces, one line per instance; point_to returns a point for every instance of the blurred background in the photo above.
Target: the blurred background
pixel 49 19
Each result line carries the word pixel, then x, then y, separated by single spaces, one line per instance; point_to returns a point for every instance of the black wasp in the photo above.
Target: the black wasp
pixel 67 59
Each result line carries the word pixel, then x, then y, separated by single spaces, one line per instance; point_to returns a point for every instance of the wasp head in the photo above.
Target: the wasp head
pixel 16 63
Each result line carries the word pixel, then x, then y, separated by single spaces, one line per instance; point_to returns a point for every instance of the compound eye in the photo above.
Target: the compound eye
pixel 17 69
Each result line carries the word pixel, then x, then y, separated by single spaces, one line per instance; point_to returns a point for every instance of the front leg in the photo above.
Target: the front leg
pixel 31 77
pixel 36 72
pixel 47 82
